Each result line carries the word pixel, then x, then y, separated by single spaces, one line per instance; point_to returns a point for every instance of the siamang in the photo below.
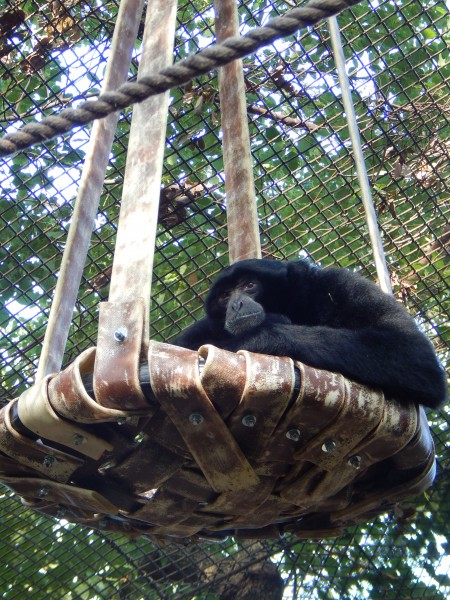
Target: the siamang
pixel 331 319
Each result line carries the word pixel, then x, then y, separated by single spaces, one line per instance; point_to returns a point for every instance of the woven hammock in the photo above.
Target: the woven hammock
pixel 220 444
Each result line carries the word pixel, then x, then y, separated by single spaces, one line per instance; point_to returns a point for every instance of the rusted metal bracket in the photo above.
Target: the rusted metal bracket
pixel 124 320
pixel 206 434
pixel 119 346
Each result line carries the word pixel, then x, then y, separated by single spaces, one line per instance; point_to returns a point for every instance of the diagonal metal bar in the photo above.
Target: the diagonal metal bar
pixel 138 219
pixel 366 194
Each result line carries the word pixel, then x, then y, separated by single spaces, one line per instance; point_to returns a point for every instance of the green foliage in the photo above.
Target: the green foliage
pixel 309 204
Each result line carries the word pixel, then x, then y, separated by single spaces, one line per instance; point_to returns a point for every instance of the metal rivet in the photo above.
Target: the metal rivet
pixel 293 434
pixel 249 420
pixel 139 437
pixel 120 335
pixel 196 418
pixel 44 491
pixel 329 446
pixel 78 439
pixel 201 364
pixel 48 461
pixel 355 461
pixel 107 465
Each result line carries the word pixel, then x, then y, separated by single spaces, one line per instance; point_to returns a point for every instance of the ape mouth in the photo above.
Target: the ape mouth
pixel 245 323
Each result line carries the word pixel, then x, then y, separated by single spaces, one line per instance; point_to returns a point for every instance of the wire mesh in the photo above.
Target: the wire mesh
pixel 53 55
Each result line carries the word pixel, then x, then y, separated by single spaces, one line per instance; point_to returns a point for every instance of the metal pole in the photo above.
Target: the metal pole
pixel 371 217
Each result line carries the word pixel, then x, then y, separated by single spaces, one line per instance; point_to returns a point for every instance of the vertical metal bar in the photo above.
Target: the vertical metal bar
pixel 371 217
pixel 91 183
pixel 133 259
pixel 242 216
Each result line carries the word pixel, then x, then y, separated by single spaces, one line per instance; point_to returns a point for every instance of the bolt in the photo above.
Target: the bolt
pixel 355 461
pixel 48 461
pixel 201 364
pixel 78 439
pixel 293 434
pixel 44 491
pixel 329 446
pixel 120 335
pixel 196 418
pixel 249 420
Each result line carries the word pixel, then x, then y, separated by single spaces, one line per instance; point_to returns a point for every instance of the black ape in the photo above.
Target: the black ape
pixel 331 319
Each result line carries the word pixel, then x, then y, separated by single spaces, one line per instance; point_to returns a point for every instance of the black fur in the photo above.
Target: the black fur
pixel 331 319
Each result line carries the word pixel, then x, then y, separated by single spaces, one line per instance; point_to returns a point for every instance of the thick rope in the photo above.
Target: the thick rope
pixel 179 74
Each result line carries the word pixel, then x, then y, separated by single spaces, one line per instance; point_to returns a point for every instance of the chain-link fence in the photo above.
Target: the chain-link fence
pixel 53 55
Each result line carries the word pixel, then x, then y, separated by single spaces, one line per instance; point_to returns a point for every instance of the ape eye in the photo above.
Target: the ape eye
pixel 249 285
pixel 224 297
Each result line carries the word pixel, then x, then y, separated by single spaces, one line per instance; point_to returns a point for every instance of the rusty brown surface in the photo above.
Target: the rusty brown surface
pixel 71 401
pixel 133 257
pixel 193 466
pixel 242 217
pixel 268 390
pixel 120 341
pixel 91 185
pixel 175 379
pixel 124 320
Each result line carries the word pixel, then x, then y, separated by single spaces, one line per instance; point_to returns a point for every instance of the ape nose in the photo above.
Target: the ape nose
pixel 236 305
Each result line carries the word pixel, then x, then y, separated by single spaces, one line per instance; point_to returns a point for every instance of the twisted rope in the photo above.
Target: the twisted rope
pixel 179 74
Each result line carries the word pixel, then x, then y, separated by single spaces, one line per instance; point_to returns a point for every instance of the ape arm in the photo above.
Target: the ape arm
pixel 196 335
pixel 201 332
pixel 403 366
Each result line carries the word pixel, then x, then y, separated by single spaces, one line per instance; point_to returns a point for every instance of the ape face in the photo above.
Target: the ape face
pixel 237 305
pixel 263 281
